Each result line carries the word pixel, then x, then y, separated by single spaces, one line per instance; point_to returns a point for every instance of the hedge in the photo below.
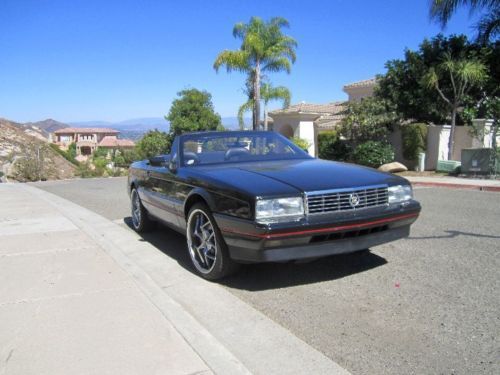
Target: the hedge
pixel 414 137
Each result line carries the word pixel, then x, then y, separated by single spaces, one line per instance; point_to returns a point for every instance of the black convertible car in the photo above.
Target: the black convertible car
pixel 242 197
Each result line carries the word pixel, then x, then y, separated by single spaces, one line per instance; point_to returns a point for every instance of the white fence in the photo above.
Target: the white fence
pixel 437 142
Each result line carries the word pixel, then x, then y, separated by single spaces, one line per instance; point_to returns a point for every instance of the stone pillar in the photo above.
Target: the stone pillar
pixel 306 132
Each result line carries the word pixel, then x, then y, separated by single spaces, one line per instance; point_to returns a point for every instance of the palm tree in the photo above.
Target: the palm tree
pixel 264 48
pixel 268 93
pixel 463 75
pixel 489 24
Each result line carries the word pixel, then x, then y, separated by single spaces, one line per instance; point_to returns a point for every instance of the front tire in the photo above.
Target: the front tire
pixel 140 218
pixel 207 248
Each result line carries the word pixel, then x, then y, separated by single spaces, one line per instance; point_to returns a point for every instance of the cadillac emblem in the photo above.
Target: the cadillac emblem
pixel 353 199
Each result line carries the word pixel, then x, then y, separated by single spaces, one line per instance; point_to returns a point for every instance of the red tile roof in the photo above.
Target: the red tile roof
pixel 364 83
pixel 327 109
pixel 86 131
pixel 112 141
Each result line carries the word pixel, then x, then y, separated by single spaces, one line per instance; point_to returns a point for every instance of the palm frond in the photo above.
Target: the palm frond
pixel 279 22
pixel 442 10
pixel 239 30
pixel 277 65
pixel 472 71
pixel 246 107
pixel 233 60
pixel 269 92
pixel 488 26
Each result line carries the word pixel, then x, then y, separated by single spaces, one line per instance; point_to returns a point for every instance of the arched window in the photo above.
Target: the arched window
pixel 86 150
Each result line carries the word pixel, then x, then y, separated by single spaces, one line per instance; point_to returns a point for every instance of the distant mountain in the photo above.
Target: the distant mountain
pixel 130 129
pixel 144 124
pixel 158 122
pixel 90 124
pixel 141 125
pixel 48 126
pixel 231 123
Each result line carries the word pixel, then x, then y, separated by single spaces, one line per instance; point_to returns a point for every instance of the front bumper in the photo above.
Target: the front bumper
pixel 316 236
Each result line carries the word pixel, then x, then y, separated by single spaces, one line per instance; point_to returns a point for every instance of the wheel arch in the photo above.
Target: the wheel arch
pixel 198 196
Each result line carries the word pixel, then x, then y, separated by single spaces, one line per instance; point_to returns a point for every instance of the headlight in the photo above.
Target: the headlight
pixel 400 193
pixel 270 210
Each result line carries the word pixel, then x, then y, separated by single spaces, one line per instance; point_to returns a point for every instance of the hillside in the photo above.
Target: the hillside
pixel 14 137
pixel 47 126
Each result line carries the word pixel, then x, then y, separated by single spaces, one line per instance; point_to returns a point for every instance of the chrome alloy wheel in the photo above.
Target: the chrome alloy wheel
pixel 136 209
pixel 202 241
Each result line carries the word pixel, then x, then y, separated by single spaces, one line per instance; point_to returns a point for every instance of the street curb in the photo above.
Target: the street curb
pixel 457 186
pixel 228 334
pixel 209 349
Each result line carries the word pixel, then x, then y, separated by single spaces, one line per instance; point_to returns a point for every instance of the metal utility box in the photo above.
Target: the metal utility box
pixel 449 166
pixel 477 160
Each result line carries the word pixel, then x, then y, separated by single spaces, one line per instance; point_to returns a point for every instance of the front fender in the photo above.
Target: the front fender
pixel 219 203
pixel 194 196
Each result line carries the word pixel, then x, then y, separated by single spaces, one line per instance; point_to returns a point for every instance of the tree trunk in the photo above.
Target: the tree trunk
pixel 256 88
pixel 451 141
pixel 265 117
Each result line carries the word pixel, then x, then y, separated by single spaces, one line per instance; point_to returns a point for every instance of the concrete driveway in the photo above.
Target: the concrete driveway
pixel 426 304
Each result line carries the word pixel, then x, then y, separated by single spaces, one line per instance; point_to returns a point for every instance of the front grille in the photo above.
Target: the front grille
pixel 319 202
pixel 348 234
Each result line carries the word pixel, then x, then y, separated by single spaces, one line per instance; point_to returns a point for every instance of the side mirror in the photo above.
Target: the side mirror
pixel 159 161
pixel 172 164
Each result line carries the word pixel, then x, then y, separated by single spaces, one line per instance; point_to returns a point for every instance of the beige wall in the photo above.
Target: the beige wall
pixel 437 144
pixel 301 125
pixel 357 93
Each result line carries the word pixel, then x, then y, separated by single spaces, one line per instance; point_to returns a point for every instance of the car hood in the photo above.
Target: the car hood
pixel 303 175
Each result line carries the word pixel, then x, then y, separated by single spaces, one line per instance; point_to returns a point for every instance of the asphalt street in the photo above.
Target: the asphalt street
pixel 427 304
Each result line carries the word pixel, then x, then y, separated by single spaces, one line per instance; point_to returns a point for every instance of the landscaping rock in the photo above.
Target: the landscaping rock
pixel 392 167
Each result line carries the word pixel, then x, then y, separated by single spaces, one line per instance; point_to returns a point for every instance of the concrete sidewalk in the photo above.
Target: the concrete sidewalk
pixel 456 182
pixel 67 308
pixel 80 294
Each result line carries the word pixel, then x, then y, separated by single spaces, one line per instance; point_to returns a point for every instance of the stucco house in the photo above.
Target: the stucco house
pixel 87 140
pixel 306 120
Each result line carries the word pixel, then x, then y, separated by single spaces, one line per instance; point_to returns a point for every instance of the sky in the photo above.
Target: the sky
pixel 112 60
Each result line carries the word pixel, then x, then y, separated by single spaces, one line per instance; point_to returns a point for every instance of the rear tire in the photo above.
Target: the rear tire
pixel 140 217
pixel 207 249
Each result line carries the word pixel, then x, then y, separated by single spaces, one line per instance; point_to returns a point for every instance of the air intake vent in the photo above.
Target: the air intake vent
pixel 319 202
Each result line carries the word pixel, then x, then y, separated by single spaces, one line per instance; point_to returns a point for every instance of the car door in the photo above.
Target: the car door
pixel 163 190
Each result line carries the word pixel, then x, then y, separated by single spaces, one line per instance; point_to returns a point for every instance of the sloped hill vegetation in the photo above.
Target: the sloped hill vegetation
pixel 28 157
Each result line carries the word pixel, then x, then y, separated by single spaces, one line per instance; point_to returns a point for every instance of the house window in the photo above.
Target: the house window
pixel 86 150
pixel 85 137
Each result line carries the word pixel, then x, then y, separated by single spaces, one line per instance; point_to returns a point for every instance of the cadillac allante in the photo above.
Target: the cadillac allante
pixel 246 197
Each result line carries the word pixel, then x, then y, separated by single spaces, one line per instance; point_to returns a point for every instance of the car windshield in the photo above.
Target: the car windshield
pixel 231 147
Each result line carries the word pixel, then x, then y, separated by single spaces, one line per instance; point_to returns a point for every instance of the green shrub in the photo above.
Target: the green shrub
pixel 373 154
pixel 414 137
pixel 331 147
pixel 302 143
pixel 84 170
pixel 71 151
pixel 153 143
pixel 100 164
pixel 129 156
pixel 101 152
pixel 69 155
pixel 119 160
